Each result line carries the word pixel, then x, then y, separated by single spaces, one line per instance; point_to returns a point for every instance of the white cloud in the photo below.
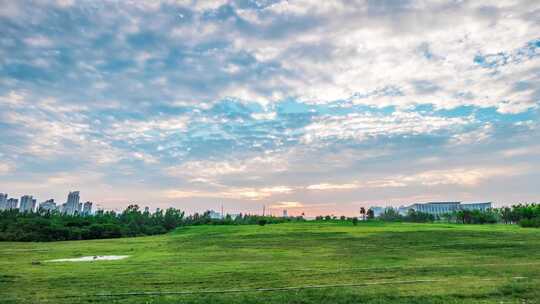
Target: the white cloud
pixel 210 169
pixel 531 150
pixel 264 116
pixel 361 47
pixel 364 126
pixel 469 177
pixel 328 186
pixel 65 3
pixel 146 130
pixel 230 193
pixel 13 98
pixel 38 41
pixel 287 204
pixel 5 168
pixel 473 137
pixel 383 183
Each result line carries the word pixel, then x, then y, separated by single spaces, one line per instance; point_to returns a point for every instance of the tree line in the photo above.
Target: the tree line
pixel 55 226
pixel 43 226
pixel 525 215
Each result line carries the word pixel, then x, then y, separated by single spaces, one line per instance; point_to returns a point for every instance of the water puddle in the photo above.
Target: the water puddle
pixel 92 258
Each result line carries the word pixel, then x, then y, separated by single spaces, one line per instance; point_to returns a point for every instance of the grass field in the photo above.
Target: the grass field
pixel 285 263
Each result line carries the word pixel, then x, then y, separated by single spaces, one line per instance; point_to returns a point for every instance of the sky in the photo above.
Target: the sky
pixel 319 107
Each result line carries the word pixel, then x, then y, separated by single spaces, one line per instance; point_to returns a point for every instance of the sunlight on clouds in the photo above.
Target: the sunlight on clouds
pixel 327 186
pixel 462 176
pixel 532 150
pixel 211 169
pixel 230 193
pixel 287 205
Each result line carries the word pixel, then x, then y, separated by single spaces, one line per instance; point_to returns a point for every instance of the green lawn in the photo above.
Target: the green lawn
pixel 368 263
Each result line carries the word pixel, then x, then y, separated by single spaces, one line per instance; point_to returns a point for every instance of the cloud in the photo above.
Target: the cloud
pixel 287 205
pixel 361 126
pixel 383 183
pixel 469 177
pixel 210 169
pixel 5 168
pixel 38 41
pixel 532 150
pixel 327 186
pixel 229 193
pixel 147 130
pixel 227 99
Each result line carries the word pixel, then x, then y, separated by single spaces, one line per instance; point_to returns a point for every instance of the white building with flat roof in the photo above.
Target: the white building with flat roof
pixel 438 208
pixel 476 206
pixel 435 208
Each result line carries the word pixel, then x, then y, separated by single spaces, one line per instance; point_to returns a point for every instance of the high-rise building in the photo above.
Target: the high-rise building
pixel 72 204
pixel 12 203
pixel 3 201
pixel 87 208
pixel 48 205
pixel 28 203
pixel 285 214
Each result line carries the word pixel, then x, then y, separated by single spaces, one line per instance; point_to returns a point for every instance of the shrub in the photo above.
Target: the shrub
pixel 530 223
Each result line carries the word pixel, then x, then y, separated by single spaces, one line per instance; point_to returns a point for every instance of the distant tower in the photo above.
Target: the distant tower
pixel 87 208
pixel 3 201
pixel 146 209
pixel 285 213
pixel 48 205
pixel 72 204
pixel 28 203
pixel 12 203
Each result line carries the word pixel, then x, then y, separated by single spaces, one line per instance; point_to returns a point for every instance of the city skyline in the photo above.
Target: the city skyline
pixel 28 203
pixel 72 206
pixel 311 107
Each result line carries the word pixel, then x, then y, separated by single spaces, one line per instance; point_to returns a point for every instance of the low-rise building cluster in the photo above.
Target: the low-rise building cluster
pixel 435 208
pixel 29 204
